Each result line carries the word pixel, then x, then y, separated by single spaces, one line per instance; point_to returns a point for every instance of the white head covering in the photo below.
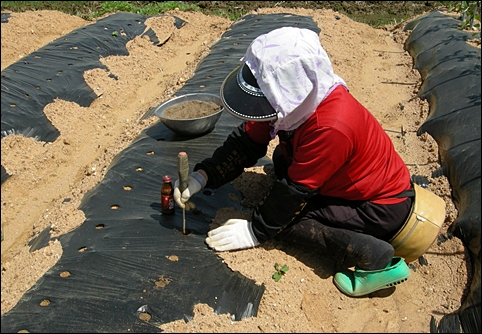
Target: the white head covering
pixel 293 71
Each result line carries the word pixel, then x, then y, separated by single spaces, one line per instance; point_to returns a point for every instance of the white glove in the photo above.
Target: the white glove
pixel 234 234
pixel 195 182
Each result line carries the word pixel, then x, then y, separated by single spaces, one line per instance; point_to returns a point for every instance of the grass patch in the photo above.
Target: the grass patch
pixel 372 13
pixel 89 10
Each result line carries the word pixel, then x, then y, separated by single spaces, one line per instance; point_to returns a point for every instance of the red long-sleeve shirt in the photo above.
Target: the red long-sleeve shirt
pixel 343 150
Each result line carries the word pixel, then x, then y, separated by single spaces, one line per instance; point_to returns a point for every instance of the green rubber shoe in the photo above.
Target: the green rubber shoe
pixel 361 282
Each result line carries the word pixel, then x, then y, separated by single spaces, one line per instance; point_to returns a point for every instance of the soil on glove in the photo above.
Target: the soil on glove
pixel 191 109
pixel 378 73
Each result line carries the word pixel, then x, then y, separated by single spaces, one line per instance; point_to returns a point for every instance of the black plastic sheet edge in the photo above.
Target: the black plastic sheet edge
pixel 451 83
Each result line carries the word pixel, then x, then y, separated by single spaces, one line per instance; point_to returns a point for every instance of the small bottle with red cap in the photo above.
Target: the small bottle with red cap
pixel 167 197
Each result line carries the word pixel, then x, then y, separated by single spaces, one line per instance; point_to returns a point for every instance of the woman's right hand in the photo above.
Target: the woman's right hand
pixel 195 182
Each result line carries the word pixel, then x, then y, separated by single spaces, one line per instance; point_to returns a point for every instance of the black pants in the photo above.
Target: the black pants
pixel 356 233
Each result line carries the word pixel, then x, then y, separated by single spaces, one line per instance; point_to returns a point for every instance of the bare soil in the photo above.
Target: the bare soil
pixel 191 109
pixel 379 74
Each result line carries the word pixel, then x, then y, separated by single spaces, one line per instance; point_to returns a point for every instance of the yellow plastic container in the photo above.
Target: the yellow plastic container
pixel 422 226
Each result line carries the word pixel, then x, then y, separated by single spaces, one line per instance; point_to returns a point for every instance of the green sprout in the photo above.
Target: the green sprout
pixel 115 33
pixel 280 271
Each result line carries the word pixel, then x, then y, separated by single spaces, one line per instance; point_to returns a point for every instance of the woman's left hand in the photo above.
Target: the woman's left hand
pixel 234 234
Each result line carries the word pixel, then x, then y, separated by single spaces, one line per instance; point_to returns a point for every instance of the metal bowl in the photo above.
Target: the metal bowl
pixel 191 126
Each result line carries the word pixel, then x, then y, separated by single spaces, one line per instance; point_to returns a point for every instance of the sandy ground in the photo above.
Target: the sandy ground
pixel 378 72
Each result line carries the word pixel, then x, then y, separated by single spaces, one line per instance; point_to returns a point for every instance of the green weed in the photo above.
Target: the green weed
pixel 470 11
pixel 280 271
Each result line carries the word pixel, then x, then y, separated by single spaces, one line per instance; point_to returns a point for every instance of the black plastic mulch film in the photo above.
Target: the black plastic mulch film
pixel 450 70
pixel 116 257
